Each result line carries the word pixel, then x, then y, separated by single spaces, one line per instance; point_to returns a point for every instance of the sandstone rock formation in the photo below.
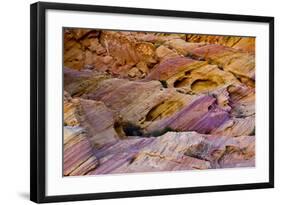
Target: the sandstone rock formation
pixel 79 158
pixel 144 102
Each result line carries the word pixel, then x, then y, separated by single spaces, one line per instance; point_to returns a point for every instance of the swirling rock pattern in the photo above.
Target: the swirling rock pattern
pixel 144 102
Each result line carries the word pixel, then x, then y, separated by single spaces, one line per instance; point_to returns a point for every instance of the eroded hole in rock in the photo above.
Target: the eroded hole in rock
pixel 119 130
pixel 203 85
pixel 213 105
pixel 151 65
pixel 163 109
pixel 164 83
pixel 247 81
pixel 235 95
pixel 253 132
pixel 181 82
pixel 187 72
pixel 131 129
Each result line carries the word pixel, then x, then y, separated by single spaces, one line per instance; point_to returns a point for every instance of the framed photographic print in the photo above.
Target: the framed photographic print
pixel 129 102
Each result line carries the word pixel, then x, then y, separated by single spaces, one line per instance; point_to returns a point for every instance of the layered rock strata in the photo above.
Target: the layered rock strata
pixel 144 102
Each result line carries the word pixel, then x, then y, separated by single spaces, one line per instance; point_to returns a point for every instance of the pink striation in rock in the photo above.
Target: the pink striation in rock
pixel 78 155
pixel 170 67
pixel 175 151
pixel 201 115
pixel 150 102
pixel 94 116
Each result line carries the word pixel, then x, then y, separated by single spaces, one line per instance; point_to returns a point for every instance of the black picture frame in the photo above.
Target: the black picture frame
pixel 38 101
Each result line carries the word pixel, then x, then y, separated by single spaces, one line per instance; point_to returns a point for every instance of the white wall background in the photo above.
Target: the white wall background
pixel 14 101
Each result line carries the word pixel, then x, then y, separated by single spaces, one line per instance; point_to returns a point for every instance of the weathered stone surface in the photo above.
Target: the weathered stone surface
pixel 74 50
pixel 204 79
pixel 95 117
pixel 182 47
pixel 144 102
pixel 115 156
pixel 167 153
pixel 223 151
pixel 140 102
pixel 171 66
pixel 126 49
pixel 246 44
pixel 231 59
pixel 242 100
pixel 77 83
pixel 201 115
pixel 239 63
pixel 176 151
pixel 152 107
pixel 236 127
pixel 162 52
pixel 79 158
